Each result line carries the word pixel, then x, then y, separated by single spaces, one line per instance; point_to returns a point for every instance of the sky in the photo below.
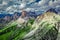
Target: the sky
pixel 12 6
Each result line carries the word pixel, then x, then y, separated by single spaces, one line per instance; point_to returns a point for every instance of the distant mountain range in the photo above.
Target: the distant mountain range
pixel 49 15
pixel 6 18
pixel 3 15
pixel 32 14
pixel 52 10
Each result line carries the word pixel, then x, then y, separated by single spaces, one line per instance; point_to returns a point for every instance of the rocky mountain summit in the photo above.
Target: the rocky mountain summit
pixel 44 27
pixel 52 18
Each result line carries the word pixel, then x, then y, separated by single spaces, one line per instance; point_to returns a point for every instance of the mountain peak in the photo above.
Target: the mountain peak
pixel 48 15
pixel 52 10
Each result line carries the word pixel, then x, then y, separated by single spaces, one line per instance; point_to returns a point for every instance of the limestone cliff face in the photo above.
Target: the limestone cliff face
pixel 44 26
pixel 51 17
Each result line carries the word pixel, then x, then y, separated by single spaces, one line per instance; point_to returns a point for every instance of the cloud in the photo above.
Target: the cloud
pixel 52 4
pixel 55 3
pixel 8 8
pixel 30 9
pixel 46 4
pixel 43 2
pixel 4 3
pixel 22 6
pixel 30 5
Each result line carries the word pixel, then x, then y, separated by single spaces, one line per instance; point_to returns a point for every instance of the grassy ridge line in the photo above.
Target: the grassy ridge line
pixel 45 30
pixel 9 35
pixel 16 33
pixel 12 34
pixel 24 31
pixel 6 36
pixel 40 24
pixel 9 26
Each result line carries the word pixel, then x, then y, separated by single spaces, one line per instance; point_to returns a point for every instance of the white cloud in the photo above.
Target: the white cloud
pixel 30 9
pixel 41 5
pixel 55 3
pixel 22 6
pixel 4 3
pixel 46 4
pixel 8 8
pixel 51 3
pixel 41 2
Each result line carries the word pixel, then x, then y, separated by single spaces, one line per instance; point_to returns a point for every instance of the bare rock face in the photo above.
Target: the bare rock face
pixel 43 31
pixel 51 18
pixel 48 16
